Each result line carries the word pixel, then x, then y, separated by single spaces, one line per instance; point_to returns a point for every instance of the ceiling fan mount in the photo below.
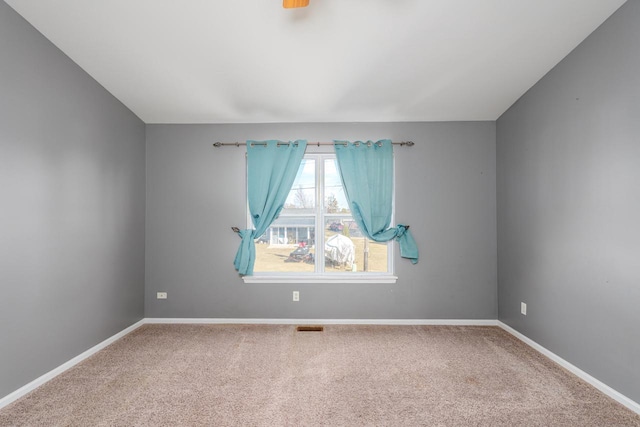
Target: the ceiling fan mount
pixel 290 4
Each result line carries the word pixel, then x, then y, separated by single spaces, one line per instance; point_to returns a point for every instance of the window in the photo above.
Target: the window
pixel 315 238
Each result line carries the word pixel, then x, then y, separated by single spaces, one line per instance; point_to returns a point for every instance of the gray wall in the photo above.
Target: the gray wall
pixel 569 206
pixel 445 191
pixel 72 208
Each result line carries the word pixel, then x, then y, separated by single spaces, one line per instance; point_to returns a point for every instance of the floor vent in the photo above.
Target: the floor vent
pixel 310 328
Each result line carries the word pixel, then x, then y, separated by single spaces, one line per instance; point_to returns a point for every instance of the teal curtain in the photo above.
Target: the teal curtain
pixel 272 167
pixel 366 169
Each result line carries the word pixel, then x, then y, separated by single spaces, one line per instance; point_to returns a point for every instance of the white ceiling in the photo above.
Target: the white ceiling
pixel 251 61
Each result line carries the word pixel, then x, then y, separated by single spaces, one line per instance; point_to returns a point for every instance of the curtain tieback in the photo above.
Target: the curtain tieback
pixel 243 233
pixel 408 247
pixel 245 256
pixel 401 230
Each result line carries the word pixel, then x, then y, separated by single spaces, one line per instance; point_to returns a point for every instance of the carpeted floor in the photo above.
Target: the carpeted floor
pixel 271 375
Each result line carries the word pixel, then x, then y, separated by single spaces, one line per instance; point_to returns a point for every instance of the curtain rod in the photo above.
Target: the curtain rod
pixel 238 144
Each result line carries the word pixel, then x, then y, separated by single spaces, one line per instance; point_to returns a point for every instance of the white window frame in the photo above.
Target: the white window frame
pixel 320 154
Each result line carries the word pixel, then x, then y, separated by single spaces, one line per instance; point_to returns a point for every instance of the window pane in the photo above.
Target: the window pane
pixel 346 249
pixel 291 245
pixel 302 196
pixel 287 246
pixel 334 199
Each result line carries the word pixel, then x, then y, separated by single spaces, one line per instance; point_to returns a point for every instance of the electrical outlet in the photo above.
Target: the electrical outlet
pixel 296 295
pixel 161 295
pixel 523 308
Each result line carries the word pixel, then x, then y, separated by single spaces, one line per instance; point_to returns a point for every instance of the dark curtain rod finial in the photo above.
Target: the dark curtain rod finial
pixel 235 229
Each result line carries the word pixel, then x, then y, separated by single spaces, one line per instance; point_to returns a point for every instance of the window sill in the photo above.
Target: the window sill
pixel 351 278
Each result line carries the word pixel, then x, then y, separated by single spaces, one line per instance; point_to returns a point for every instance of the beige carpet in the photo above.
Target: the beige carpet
pixel 271 375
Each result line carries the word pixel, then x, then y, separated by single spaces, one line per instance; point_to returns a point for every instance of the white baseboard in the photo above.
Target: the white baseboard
pixel 220 321
pixel 619 397
pixel 60 369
